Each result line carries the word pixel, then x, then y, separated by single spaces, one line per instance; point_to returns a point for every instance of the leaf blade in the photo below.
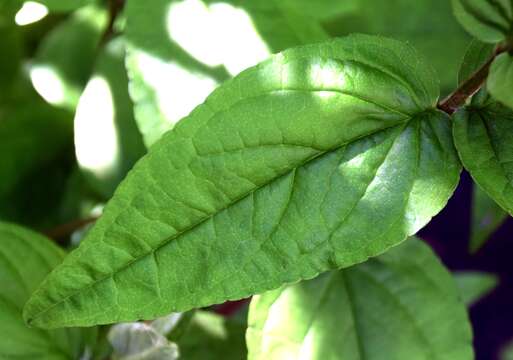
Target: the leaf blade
pixel 232 193
pixel 306 319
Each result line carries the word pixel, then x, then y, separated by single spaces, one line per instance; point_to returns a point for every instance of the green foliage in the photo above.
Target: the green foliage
pixel 500 81
pixel 19 279
pixel 264 174
pixel 474 285
pixel 487 216
pixel 228 172
pixel 357 313
pixel 59 74
pixel 482 134
pixel 107 141
pixel 488 20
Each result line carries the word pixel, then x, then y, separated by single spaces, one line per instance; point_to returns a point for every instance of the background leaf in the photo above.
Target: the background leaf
pixel 274 179
pixel 474 285
pixel 500 80
pixel 65 57
pixel 487 216
pixel 488 20
pixel 25 259
pixel 429 25
pixel 357 313
pixel 107 141
pixel 482 137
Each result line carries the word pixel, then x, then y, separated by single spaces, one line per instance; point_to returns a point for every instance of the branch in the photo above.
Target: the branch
pixel 468 88
pixel 62 231
pixel 115 8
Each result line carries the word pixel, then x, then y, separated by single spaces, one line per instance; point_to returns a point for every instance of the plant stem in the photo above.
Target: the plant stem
pixel 472 85
pixel 115 8
pixel 62 231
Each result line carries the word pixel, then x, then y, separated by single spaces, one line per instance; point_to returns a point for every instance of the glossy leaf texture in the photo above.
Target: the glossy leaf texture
pixel 401 305
pixel 429 25
pixel 487 217
pixel 60 74
pixel 482 134
pixel 500 80
pixel 474 285
pixel 173 64
pixel 107 141
pixel 25 259
pixel 487 20
pixel 275 178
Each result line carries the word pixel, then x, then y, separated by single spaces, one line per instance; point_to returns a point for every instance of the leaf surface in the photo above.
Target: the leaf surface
pixel 488 20
pixel 500 79
pixel 25 259
pixel 482 134
pixel 487 216
pixel 357 313
pixel 173 64
pixel 474 285
pixel 275 178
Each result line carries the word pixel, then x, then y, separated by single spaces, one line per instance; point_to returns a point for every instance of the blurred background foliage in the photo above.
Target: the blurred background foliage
pixel 86 86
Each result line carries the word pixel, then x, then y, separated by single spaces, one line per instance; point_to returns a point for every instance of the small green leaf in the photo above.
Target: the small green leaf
pixel 488 20
pixel 474 285
pixel 25 259
pixel 275 178
pixel 487 216
pixel 477 54
pixel 65 57
pixel 500 80
pixel 507 352
pixel 107 141
pixel 482 135
pixel 400 305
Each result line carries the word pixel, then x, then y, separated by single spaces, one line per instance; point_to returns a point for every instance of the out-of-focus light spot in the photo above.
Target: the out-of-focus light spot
pixel 227 35
pixel 178 90
pixel 96 139
pixel 30 12
pixel 48 84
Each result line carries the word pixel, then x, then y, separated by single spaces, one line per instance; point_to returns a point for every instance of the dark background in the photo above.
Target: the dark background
pixel 449 233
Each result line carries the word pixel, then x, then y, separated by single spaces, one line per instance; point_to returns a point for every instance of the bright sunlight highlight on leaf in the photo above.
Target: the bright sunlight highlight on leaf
pixel 30 13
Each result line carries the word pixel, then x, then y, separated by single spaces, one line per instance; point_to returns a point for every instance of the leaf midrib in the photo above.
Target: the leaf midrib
pixel 205 219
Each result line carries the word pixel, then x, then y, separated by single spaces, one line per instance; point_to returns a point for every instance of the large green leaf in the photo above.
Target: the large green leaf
pixel 487 216
pixel 25 259
pixel 401 305
pixel 482 134
pixel 107 140
pixel 174 64
pixel 474 285
pixel 488 20
pixel 65 57
pixel 500 80
pixel 427 24
pixel 277 177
